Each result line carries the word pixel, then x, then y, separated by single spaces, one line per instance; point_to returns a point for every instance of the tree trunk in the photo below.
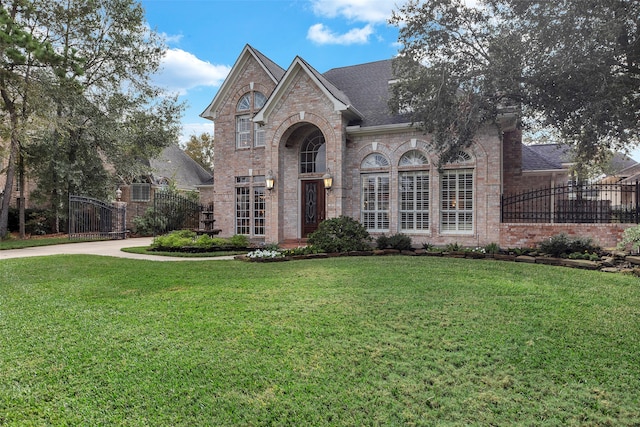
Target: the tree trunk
pixel 8 187
pixel 21 199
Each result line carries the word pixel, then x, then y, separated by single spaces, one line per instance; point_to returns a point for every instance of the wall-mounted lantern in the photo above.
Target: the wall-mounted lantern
pixel 328 180
pixel 269 180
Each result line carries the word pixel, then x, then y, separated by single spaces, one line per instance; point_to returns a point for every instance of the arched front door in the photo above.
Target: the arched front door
pixel 313 205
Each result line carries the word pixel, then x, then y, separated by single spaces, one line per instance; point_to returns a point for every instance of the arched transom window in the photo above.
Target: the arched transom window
pixel 413 158
pixel 313 156
pixel 461 157
pixel 375 160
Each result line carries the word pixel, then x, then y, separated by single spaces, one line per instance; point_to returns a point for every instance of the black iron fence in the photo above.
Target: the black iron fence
pixel 94 219
pixel 173 211
pixel 577 203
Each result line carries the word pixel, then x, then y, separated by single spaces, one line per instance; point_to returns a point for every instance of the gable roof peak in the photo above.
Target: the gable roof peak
pixel 340 100
pixel 273 70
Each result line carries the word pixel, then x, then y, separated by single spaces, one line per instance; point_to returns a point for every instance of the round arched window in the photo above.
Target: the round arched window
pixel 313 157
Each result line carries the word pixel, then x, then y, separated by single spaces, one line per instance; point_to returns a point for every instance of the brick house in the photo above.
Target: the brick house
pixel 171 167
pixel 280 132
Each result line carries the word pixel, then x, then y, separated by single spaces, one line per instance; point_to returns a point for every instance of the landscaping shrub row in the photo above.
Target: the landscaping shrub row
pixel 189 241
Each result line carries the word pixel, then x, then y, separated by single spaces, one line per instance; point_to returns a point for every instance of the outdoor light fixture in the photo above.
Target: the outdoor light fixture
pixel 328 180
pixel 269 180
pixel 118 194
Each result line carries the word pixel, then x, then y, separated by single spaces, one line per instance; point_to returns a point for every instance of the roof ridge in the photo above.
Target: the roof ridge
pixel 358 65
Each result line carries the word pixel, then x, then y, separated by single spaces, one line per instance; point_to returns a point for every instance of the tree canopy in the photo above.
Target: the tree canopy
pixel 569 65
pixel 89 102
pixel 201 148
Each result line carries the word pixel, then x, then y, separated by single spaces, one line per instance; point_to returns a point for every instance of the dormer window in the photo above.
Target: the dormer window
pixel 249 104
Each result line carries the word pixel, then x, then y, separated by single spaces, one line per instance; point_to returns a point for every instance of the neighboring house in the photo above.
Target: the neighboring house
pixel 172 167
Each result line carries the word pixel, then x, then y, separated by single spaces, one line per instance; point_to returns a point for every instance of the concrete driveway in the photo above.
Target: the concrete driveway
pixel 105 248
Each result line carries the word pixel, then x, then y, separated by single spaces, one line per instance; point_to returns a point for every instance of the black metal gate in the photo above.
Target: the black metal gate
pixel 94 219
pixel 175 212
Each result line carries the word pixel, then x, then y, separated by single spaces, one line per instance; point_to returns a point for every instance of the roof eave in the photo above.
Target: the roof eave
pixel 369 130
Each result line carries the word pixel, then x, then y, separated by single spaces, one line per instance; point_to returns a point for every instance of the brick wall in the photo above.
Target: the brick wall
pixel 232 162
pixel 487 158
pixel 529 235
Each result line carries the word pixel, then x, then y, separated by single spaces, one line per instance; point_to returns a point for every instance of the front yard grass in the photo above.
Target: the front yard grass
pixel 39 241
pixel 88 340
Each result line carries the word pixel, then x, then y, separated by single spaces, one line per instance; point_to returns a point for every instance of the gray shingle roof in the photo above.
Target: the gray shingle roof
pixel 337 93
pixel 367 88
pixel 552 156
pixel 544 157
pixel 276 71
pixel 174 164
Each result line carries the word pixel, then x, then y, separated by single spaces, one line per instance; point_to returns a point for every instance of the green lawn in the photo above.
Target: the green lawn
pixel 44 241
pixel 88 340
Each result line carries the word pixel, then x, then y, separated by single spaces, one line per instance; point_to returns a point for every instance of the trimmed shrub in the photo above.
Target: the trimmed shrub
pixel 342 234
pixel 400 241
pixel 239 241
pixel 561 245
pixel 382 242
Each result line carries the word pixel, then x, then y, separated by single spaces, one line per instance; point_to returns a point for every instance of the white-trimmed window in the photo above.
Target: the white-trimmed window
pixel 258 135
pixel 250 205
pixel 413 192
pixel 457 200
pixel 247 132
pixel 243 131
pixel 375 192
pixel 259 208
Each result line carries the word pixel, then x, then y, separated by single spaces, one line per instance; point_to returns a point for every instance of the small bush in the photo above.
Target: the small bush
pixel 453 247
pixel 143 225
pixel 382 242
pixel 630 239
pixel 204 241
pixel 400 241
pixel 492 248
pixel 342 234
pixel 239 241
pixel 561 245
pixel 174 240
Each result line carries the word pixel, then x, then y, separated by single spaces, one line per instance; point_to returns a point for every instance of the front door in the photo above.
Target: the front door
pixel 313 209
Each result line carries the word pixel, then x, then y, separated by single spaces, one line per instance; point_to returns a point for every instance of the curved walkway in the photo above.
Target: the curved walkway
pixel 105 248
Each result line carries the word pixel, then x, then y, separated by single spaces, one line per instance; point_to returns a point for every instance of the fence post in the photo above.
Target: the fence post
pixel 637 213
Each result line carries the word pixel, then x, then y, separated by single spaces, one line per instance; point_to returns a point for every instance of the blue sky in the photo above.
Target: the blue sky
pixel 205 38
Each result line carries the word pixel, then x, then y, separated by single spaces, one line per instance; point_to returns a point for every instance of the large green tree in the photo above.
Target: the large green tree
pixel 104 113
pixel 23 55
pixel 571 65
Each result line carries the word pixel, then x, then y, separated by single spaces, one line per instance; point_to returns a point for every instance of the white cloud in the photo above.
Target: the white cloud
pixel 182 71
pixel 371 11
pixel 197 129
pixel 320 34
